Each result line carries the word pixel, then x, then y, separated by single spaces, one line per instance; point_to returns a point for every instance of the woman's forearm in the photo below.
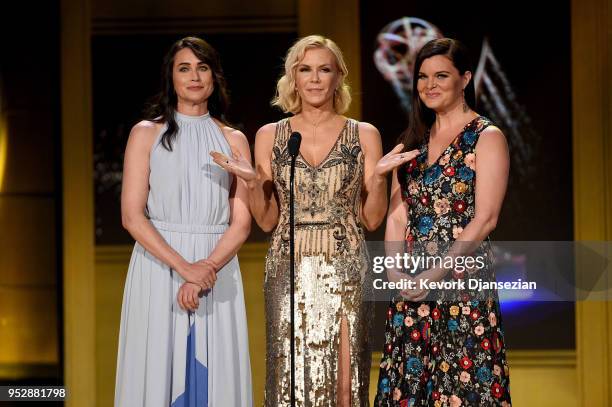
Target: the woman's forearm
pixel 468 241
pixel 471 237
pixel 395 244
pixel 141 229
pixel 229 244
pixel 375 202
pixel 263 204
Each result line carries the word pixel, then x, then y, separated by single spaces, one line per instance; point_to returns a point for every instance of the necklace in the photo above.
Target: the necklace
pixel 315 125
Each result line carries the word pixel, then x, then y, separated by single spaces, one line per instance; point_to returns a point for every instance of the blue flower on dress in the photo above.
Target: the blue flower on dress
pixel 425 224
pixel 484 374
pixel 384 386
pixel 452 325
pixel 414 366
pixel 472 397
pixel 429 387
pixel 469 137
pixel 465 173
pixel 446 187
pixel 432 174
pixel 398 320
pixel 469 342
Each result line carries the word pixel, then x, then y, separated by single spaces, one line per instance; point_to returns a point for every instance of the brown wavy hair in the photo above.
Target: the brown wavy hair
pixel 421 117
pixel 163 106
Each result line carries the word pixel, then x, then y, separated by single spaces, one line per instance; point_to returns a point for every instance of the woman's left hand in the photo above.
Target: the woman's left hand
pixel 237 165
pixel 420 293
pixel 394 159
pixel 188 296
pixel 416 294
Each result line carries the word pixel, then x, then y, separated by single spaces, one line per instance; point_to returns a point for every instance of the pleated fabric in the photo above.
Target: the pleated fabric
pixel 167 356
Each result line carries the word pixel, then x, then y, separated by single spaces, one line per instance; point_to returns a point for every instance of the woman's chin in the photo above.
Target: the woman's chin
pixel 317 102
pixel 194 99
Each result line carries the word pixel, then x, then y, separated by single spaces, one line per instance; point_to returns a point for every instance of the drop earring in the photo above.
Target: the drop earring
pixel 465 106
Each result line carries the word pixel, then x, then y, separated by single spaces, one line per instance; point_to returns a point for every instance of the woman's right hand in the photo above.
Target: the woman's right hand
pixel 237 165
pixel 188 296
pixel 202 273
pixel 394 159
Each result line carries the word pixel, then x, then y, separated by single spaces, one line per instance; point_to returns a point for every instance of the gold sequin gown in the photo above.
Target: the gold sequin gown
pixel 330 265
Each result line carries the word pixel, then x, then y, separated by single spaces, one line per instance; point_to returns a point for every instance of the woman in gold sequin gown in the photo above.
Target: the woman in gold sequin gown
pixel 340 187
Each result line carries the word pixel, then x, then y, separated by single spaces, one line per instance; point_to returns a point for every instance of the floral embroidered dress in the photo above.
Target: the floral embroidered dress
pixel 447 352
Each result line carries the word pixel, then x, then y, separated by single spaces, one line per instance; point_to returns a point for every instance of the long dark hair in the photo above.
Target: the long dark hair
pixel 421 117
pixel 163 106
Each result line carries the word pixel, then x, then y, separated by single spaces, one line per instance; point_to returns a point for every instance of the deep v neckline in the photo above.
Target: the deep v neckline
pixel 467 125
pixel 331 150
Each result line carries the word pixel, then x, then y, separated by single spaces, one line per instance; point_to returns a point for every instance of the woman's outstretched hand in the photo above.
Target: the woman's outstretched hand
pixel 394 159
pixel 237 165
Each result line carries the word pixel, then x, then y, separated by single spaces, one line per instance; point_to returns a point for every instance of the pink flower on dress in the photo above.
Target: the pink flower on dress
pixel 455 401
pixel 445 159
pixel 442 206
pixel 408 321
pixel 465 310
pixel 423 310
pixel 413 188
pixel 464 377
pixel 492 319
pixel 457 231
pixel 470 160
pixel 479 330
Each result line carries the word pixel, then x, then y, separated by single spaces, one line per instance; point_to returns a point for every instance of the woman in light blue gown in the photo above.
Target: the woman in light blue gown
pixel 183 338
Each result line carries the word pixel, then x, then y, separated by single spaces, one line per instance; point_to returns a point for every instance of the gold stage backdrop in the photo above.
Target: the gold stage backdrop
pixel 30 200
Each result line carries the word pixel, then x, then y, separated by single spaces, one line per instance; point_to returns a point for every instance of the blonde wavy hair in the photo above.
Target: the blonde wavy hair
pixel 287 98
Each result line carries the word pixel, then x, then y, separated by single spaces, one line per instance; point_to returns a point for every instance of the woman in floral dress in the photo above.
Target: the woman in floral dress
pixel 446 348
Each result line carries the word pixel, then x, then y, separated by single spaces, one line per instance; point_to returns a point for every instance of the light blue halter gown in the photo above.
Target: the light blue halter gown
pixel 169 357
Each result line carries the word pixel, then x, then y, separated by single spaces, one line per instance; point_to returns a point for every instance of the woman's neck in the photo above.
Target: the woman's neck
pixel 453 118
pixel 316 115
pixel 191 108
